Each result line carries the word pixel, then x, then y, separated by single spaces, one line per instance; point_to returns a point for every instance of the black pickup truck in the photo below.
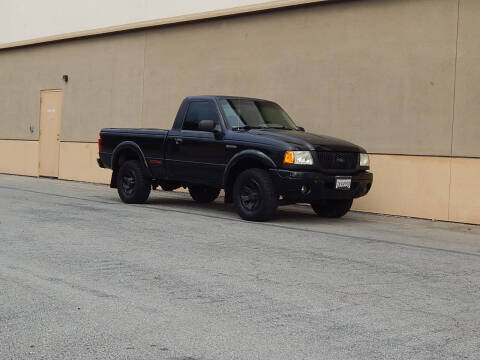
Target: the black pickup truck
pixel 250 148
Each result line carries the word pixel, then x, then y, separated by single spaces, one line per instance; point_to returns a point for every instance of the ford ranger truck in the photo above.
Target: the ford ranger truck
pixel 248 147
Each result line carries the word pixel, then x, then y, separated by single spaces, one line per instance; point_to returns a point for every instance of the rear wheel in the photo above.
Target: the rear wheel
pixel 254 195
pixel 132 185
pixel 332 208
pixel 203 194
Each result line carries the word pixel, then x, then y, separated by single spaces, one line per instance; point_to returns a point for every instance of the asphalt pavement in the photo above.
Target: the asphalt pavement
pixel 84 276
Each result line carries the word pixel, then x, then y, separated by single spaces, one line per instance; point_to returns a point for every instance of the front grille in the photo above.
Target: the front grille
pixel 332 160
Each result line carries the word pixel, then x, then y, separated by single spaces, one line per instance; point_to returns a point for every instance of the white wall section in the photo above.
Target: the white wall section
pixel 22 20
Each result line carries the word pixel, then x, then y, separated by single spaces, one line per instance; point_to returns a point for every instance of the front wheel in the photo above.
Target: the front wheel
pixel 332 208
pixel 254 195
pixel 132 185
pixel 203 194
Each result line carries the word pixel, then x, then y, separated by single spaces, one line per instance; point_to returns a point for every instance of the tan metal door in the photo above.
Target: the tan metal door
pixel 50 126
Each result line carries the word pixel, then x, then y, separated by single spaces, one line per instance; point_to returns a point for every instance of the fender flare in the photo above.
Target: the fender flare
pixel 130 145
pixel 247 154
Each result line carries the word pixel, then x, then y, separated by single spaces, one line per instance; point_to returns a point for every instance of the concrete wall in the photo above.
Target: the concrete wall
pixel 380 73
pixel 437 188
pixel 364 70
pixel 105 86
pixel 19 157
pixel 394 76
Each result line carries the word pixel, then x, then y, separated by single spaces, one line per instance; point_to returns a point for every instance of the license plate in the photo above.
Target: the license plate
pixel 343 183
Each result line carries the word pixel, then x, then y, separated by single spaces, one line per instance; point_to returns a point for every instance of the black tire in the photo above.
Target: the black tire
pixel 254 195
pixel 332 208
pixel 132 185
pixel 203 194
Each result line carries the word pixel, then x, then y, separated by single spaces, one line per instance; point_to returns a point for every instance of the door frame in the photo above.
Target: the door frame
pixel 60 110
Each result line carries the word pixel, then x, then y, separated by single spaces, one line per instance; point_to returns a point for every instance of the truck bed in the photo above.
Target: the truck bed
pixel 150 141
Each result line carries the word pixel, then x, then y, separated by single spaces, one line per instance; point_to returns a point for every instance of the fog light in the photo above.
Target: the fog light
pixel 305 189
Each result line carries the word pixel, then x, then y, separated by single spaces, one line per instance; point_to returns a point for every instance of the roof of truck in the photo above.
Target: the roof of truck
pixel 224 97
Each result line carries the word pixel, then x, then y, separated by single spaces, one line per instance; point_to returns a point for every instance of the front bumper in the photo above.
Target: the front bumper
pixel 319 186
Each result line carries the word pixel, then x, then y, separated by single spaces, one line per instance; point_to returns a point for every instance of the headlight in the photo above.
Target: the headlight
pixel 298 158
pixel 364 160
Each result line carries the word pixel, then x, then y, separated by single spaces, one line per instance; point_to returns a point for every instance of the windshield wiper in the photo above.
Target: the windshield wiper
pixel 247 127
pixel 281 127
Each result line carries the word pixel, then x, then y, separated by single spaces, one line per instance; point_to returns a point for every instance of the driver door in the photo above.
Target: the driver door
pixel 193 155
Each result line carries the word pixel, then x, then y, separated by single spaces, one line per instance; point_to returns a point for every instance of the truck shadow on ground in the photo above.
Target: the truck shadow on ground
pixel 297 214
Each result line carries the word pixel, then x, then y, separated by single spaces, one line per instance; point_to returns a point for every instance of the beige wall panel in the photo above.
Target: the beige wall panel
pixel 379 73
pixel 465 191
pixel 19 95
pixel 19 157
pixel 105 87
pixel 466 133
pixel 414 186
pixel 78 161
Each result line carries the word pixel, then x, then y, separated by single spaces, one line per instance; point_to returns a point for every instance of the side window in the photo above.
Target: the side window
pixel 198 111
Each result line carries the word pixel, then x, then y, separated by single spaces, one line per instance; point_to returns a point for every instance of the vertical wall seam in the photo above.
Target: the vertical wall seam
pixel 450 190
pixel 142 97
pixel 455 78
pixel 453 108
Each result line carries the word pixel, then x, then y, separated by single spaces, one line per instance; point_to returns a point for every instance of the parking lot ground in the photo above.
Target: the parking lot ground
pixel 84 276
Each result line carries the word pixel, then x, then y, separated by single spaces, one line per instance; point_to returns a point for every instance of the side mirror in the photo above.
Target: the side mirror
pixel 206 125
pixel 209 125
pixel 301 128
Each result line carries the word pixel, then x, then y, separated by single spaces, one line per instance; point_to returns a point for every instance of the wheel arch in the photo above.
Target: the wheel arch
pixel 242 161
pixel 127 150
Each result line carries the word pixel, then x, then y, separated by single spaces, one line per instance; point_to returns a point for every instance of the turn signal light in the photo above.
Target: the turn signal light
pixel 289 157
pixel 300 157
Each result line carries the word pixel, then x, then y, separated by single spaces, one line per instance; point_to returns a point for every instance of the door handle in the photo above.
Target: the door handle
pixel 178 141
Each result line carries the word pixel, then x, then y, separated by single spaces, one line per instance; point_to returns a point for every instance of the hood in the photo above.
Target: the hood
pixel 308 141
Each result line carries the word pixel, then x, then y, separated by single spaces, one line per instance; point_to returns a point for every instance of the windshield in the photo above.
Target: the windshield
pixel 246 113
